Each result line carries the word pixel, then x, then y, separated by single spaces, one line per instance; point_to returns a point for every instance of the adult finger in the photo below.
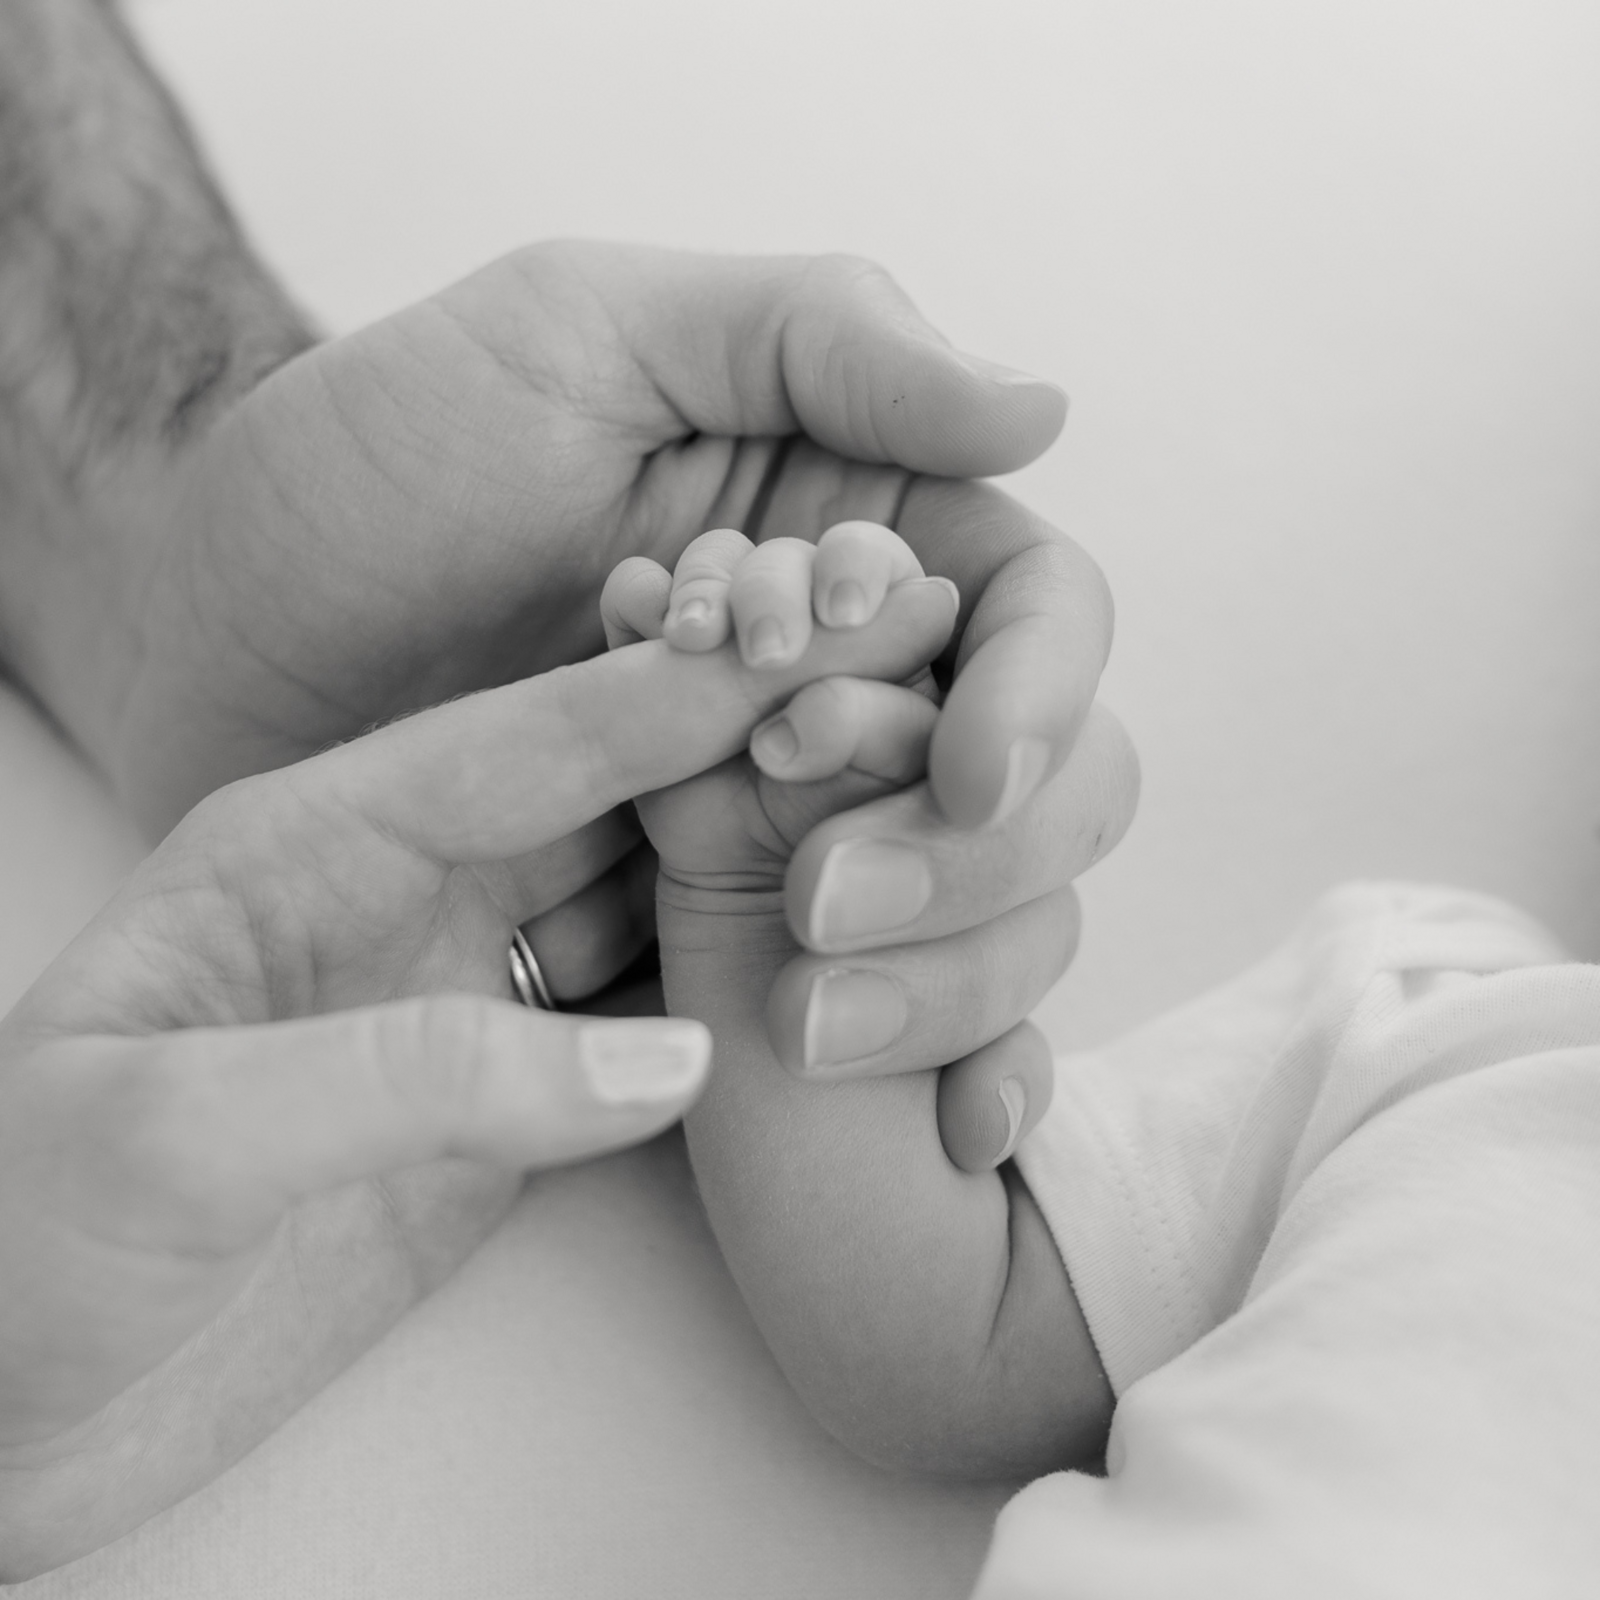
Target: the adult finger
pixel 503 772
pixel 1033 645
pixel 595 934
pixel 916 1006
pixel 829 346
pixel 895 872
pixel 527 886
pixel 199 1140
pixel 990 1101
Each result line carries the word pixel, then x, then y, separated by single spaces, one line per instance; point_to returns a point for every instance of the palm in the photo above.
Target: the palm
pixel 488 498
pixel 176 1352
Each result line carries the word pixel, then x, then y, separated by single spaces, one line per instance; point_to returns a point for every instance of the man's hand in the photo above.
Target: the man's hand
pixel 203 575
pixel 434 503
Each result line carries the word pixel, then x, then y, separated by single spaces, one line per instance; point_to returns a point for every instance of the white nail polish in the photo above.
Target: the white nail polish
pixel 867 887
pixel 643 1060
pixel 1015 1100
pixel 1025 764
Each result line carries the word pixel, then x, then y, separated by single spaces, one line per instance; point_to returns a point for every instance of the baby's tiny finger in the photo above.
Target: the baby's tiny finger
pixel 771 600
pixel 991 1100
pixel 697 617
pixel 856 563
pixel 634 601
pixel 877 728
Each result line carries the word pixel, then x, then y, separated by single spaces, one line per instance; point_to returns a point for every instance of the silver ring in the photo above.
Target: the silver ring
pixel 526 978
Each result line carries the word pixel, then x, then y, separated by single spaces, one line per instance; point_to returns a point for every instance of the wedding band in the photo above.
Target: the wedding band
pixel 526 978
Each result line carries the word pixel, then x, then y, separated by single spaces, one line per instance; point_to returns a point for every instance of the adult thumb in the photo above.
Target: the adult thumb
pixel 219 1130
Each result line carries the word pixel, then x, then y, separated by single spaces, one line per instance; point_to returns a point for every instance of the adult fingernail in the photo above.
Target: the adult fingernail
pixel 868 886
pixel 994 372
pixel 849 1015
pixel 775 743
pixel 846 604
pixel 643 1061
pixel 1026 761
pixel 1014 1103
pixel 766 643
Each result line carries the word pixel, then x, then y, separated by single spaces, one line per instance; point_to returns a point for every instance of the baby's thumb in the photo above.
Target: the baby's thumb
pixel 218 1130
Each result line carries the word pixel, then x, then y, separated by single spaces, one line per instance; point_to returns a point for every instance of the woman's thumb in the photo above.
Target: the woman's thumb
pixel 221 1129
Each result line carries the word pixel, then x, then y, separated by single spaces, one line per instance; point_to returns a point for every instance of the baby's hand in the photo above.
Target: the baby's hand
pixel 769 595
pixel 746 816
pixel 725 837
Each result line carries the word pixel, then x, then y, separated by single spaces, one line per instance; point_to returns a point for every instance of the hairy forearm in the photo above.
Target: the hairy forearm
pixel 922 1313
pixel 131 311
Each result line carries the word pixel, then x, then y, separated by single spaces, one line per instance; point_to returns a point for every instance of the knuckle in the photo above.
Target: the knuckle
pixel 839 274
pixel 432 1053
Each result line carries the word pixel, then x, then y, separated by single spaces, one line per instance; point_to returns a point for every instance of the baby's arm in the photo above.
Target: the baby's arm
pixel 922 1312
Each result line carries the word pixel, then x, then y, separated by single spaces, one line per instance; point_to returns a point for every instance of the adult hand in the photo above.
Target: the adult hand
pixel 278 1089
pixel 432 504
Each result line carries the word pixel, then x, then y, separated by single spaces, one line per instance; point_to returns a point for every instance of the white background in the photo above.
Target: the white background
pixel 1324 281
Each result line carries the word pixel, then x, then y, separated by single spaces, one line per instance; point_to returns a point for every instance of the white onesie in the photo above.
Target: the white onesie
pixel 1336 1231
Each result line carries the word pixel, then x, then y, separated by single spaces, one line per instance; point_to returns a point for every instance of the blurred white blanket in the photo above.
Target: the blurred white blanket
pixel 1336 1229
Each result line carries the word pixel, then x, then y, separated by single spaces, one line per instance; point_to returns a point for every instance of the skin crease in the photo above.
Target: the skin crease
pixel 922 1312
pixel 223 547
pixel 255 1108
pixel 225 550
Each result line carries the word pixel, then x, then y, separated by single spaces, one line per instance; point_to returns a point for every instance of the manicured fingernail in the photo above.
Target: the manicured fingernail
pixel 642 1061
pixel 868 886
pixel 766 643
pixel 851 1014
pixel 775 743
pixel 847 604
pixel 1025 764
pixel 694 612
pixel 1014 1102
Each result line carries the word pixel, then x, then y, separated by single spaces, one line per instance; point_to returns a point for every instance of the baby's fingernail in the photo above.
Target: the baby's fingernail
pixel 775 743
pixel 866 887
pixel 846 604
pixel 1014 1102
pixel 1025 766
pixel 850 1015
pixel 766 643
pixel 642 1061
pixel 694 612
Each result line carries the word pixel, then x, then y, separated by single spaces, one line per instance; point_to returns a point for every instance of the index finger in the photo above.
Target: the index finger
pixel 1032 647
pixel 503 772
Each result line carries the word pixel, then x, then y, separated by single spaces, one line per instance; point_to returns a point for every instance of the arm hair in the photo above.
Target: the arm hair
pixel 131 312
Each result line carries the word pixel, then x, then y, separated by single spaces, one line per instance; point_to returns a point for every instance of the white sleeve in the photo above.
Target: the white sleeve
pixel 1336 1231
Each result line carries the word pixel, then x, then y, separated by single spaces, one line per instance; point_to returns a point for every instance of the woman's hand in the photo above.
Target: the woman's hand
pixel 278 1088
